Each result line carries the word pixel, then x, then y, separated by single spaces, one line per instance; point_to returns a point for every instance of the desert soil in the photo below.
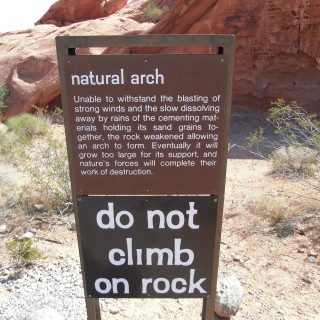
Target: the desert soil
pixel 272 262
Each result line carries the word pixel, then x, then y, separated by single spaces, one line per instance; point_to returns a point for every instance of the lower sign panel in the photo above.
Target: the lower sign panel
pixel 153 246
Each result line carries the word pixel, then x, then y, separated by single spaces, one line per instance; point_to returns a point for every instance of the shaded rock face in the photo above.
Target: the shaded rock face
pixel 277 42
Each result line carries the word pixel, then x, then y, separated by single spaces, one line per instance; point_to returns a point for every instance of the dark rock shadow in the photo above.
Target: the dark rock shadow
pixel 243 122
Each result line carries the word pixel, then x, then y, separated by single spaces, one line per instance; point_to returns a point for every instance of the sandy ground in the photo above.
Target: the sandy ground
pixel 279 279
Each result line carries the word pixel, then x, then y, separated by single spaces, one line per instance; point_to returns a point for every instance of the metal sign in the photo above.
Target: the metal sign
pixel 148 133
pixel 146 247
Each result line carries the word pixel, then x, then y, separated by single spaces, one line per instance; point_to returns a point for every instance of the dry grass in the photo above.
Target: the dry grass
pixel 295 161
pixel 286 214
pixel 9 196
pixel 273 208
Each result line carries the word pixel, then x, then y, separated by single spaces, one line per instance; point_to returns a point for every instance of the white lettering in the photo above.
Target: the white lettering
pixel 163 285
pixel 104 286
pixel 191 212
pixel 130 256
pixel 114 219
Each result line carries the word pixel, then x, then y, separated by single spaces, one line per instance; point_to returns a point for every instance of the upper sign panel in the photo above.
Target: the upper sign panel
pixel 146 124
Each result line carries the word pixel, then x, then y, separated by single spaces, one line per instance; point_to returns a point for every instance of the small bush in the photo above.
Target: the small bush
pixel 43 160
pixel 284 213
pixel 294 125
pixel 270 208
pixel 3 92
pixel 22 251
pixel 294 160
pixel 154 14
pixel 296 151
pixel 49 173
pixel 26 126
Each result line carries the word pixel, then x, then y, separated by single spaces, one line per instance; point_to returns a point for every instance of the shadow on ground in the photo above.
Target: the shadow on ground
pixel 243 122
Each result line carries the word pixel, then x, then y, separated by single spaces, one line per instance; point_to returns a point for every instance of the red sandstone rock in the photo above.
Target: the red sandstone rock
pixel 66 12
pixel 28 58
pixel 277 42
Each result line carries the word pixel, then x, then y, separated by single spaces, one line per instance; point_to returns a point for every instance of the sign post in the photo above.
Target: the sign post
pixel 147 138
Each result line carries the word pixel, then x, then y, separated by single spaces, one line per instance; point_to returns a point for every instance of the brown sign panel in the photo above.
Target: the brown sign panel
pixel 146 124
pixel 148 247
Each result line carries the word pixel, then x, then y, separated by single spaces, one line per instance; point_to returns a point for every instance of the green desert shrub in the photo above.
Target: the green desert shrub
pixel 48 169
pixel 3 92
pixel 38 150
pixel 26 126
pixel 153 13
pixel 22 251
pixel 296 149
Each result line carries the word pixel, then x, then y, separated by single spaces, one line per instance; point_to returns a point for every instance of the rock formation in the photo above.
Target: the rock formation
pixel 28 58
pixel 277 42
pixel 66 12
